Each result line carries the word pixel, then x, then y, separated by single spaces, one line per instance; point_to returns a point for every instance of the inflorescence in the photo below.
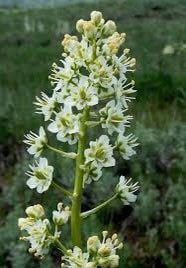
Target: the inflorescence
pixel 90 89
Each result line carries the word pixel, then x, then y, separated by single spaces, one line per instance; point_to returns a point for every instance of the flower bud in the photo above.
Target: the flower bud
pixel 79 25
pixel 93 244
pixel 120 246
pixel 61 216
pixel 96 17
pixel 132 62
pixel 105 233
pixel 126 51
pixel 35 211
pixel 68 39
pixel 109 27
pixel 114 236
pixel 113 261
pixel 89 29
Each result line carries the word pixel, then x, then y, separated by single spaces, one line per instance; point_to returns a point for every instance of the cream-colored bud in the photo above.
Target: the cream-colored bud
pixel 113 261
pixel 109 27
pixel 105 233
pixel 114 236
pixel 132 62
pixel 120 246
pixel 35 211
pixel 96 17
pixel 79 25
pixel 93 243
pixel 68 38
pixel 123 35
pixel 132 82
pixel 89 29
pixel 126 51
pixel 116 242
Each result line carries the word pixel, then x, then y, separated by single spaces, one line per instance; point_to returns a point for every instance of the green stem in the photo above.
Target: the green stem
pixel 62 189
pixel 78 183
pixel 61 247
pixel 64 154
pixel 102 205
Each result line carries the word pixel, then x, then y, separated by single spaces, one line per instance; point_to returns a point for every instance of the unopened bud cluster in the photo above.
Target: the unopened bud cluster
pixel 99 253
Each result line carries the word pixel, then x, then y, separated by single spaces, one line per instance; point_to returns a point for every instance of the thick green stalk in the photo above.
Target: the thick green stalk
pixel 78 183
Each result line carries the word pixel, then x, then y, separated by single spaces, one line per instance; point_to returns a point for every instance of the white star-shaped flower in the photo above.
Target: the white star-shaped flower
pixel 66 125
pixel 45 105
pixel 61 215
pixel 101 152
pixel 92 172
pixel 36 142
pixel 126 190
pixel 40 175
pixel 83 94
pixel 113 119
pixel 125 145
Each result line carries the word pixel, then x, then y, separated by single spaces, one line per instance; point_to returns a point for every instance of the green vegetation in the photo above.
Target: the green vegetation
pixel 155 231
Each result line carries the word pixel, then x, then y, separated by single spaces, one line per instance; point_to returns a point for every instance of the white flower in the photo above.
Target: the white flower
pixel 38 236
pixel 125 145
pixel 92 172
pixel 36 142
pixel 76 258
pixel 87 53
pixel 101 152
pixel 122 91
pixel 82 95
pixel 45 105
pixel 62 75
pixel 126 190
pixel 100 72
pixel 66 125
pixel 40 176
pixel 113 119
pixel 37 229
pixel 123 64
pixel 61 215
pixel 25 223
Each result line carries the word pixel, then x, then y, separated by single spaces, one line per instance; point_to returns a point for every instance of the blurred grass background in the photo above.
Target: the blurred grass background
pixel 154 230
